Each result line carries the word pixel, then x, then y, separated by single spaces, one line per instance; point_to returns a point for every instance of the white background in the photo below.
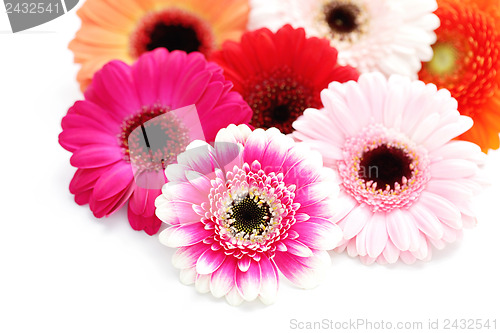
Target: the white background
pixel 62 270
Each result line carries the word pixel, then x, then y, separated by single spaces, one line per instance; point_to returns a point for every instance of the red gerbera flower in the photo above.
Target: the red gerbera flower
pixel 466 62
pixel 281 74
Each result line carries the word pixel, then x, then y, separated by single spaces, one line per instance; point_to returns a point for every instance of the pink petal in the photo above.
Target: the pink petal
pixel 83 198
pixel 398 229
pixel 449 189
pixel 275 153
pixel 407 258
pixel 222 280
pixel 361 242
pixel 192 90
pixel 209 261
pixel 248 283
pixel 302 166
pixel 114 90
pixel 149 209
pixel 244 263
pixel 90 116
pixel 255 145
pixel 376 235
pixel 297 248
pixel 187 256
pixel 111 205
pixel 199 158
pixel 325 209
pixel 314 192
pixel 150 224
pixel 85 179
pixel 298 273
pixel 199 181
pixel 269 280
pixel 391 253
pixel 453 169
pixel 427 222
pixel 145 74
pixel 177 212
pixel 184 235
pixel 75 138
pixel 442 208
pixel 138 200
pixel 93 156
pixel 184 192
pixel 210 98
pixel 318 236
pixel 113 181
pixel 355 221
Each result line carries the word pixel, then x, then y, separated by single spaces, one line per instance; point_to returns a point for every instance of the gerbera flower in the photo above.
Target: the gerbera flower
pixel 281 74
pixel 125 29
pixel 253 204
pixel 390 36
pixel 108 131
pixel 404 184
pixel 466 62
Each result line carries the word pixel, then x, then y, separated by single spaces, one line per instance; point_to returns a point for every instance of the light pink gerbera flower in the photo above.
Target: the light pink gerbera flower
pixel 108 131
pixel 253 204
pixel 404 184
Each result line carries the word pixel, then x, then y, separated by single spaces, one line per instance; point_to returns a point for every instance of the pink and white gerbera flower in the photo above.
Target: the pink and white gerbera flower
pixel 107 132
pixel 405 185
pixel 253 204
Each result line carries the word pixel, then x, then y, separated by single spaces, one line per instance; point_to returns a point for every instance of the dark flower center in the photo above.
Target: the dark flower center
pixel 385 166
pixel 250 216
pixel 173 29
pixel 279 99
pixel 173 37
pixel 281 113
pixel 342 18
pixel 152 138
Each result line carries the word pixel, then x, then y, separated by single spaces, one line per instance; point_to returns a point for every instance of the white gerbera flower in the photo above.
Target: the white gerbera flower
pixel 389 36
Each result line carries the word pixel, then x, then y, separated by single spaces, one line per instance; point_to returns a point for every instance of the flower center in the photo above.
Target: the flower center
pixel 250 209
pixel 152 138
pixel 385 166
pixel 279 99
pixel 342 18
pixel 444 59
pixel 173 29
pixel 466 57
pixel 250 216
pixel 383 169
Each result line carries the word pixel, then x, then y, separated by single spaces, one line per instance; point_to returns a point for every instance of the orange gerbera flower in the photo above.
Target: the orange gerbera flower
pixel 124 29
pixel 466 62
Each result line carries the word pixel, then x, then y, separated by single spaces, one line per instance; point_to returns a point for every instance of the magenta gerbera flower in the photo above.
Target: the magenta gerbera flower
pixel 405 185
pixel 253 204
pixel 166 95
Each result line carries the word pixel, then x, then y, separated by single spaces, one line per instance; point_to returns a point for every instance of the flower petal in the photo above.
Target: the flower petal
pixel 248 283
pixel 184 235
pixel 210 261
pixel 269 280
pixel 222 280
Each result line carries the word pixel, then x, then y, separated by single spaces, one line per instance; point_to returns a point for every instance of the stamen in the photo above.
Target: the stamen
pixel 173 29
pixel 162 136
pixel 383 169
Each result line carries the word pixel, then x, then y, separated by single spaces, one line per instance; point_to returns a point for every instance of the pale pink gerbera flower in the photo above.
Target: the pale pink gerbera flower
pixel 254 204
pixel 404 184
pixel 135 120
